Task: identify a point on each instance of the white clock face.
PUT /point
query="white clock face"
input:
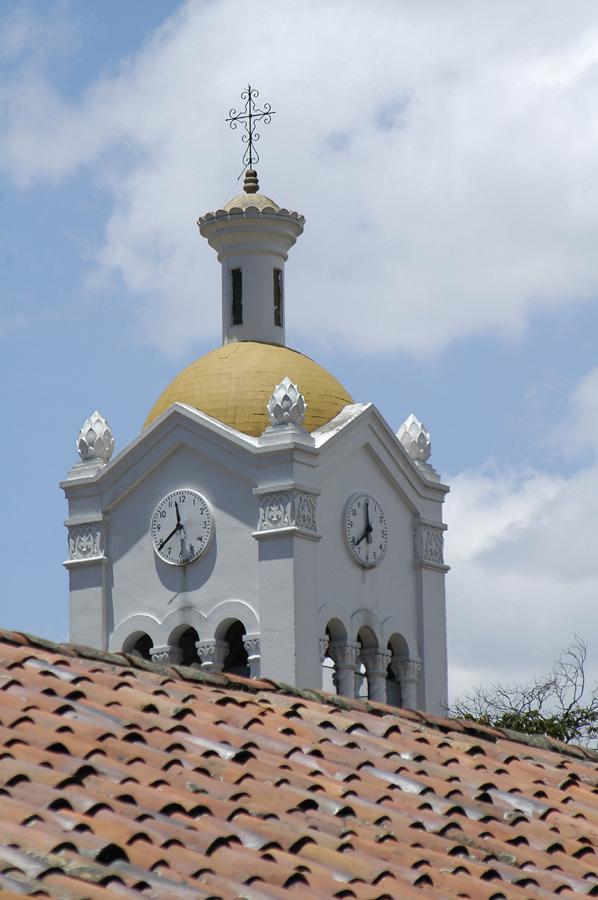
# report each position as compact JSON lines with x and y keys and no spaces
{"x":181,"y":527}
{"x":365,"y":529}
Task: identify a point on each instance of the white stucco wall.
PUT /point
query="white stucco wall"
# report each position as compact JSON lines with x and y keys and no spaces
{"x":284,"y":586}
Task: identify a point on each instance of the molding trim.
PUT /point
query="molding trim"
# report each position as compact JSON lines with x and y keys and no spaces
{"x":286,"y":486}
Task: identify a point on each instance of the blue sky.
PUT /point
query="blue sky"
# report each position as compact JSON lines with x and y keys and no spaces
{"x":447,"y":166}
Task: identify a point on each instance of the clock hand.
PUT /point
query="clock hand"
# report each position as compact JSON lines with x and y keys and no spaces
{"x":178,"y":515}
{"x":176,"y":528}
{"x":368,"y":529}
{"x":366,"y":534}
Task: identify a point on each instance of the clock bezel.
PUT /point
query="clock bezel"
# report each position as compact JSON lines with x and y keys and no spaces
{"x":364,"y":564}
{"x":187,"y":562}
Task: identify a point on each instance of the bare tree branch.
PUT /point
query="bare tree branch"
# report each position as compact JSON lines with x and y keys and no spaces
{"x":551,"y":704}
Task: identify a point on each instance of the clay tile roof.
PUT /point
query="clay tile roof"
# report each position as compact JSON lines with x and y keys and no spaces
{"x":120,"y":777}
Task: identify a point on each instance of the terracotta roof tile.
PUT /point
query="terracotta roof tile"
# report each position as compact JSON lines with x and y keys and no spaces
{"x":120,"y":777}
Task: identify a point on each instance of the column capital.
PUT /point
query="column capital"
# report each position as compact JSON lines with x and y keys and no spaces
{"x":375,"y":660}
{"x":345,"y":655}
{"x":252,"y":644}
{"x":212,"y":654}
{"x":405,"y":669}
{"x":166,"y":655}
{"x":323,"y":644}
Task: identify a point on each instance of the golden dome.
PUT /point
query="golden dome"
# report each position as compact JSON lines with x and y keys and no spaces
{"x":233,"y":384}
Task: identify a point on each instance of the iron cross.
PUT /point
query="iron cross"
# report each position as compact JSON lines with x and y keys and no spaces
{"x":250,"y":116}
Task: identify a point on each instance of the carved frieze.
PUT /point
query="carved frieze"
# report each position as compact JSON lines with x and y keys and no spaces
{"x":86,"y":542}
{"x":287,"y":509}
{"x":429,"y":544}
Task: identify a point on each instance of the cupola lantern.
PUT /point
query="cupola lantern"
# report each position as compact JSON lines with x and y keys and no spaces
{"x":252,"y":236}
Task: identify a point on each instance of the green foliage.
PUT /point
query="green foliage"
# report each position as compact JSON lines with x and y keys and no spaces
{"x":550,"y":705}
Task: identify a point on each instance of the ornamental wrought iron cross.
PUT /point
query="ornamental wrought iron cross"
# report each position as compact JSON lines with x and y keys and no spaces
{"x":249,"y":117}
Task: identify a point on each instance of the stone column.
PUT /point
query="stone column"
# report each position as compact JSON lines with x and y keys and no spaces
{"x":346,"y":660}
{"x":376,"y":663}
{"x":407,"y":672}
{"x":251,"y":642}
{"x":323,"y":645}
{"x":212,"y":654}
{"x":166,"y":655}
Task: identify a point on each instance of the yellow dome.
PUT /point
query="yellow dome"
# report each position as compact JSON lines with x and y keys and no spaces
{"x":234,"y":383}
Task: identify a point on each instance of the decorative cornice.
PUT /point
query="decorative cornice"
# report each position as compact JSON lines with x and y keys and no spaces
{"x":249,"y":212}
{"x":286,"y":486}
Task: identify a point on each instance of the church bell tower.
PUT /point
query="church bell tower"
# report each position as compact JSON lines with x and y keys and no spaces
{"x":263,"y":522}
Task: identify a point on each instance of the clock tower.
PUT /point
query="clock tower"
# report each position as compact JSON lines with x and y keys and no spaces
{"x":263,"y":522}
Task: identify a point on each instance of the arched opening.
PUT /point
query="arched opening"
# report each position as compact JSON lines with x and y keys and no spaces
{"x":367,"y":640}
{"x":139,"y":644}
{"x":399,"y":649}
{"x":236,"y":661}
{"x":393,"y":685}
{"x":187,"y":641}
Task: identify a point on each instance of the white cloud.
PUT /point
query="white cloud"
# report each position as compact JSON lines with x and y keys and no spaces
{"x":579,"y":431}
{"x":445,"y":160}
{"x":524,"y":579}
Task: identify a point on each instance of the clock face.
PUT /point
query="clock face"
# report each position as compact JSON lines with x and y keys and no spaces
{"x":365,"y":529}
{"x":181,"y":527}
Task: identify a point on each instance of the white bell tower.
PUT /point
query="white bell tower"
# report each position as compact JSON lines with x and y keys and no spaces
{"x":252,"y":236}
{"x":263,"y":522}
